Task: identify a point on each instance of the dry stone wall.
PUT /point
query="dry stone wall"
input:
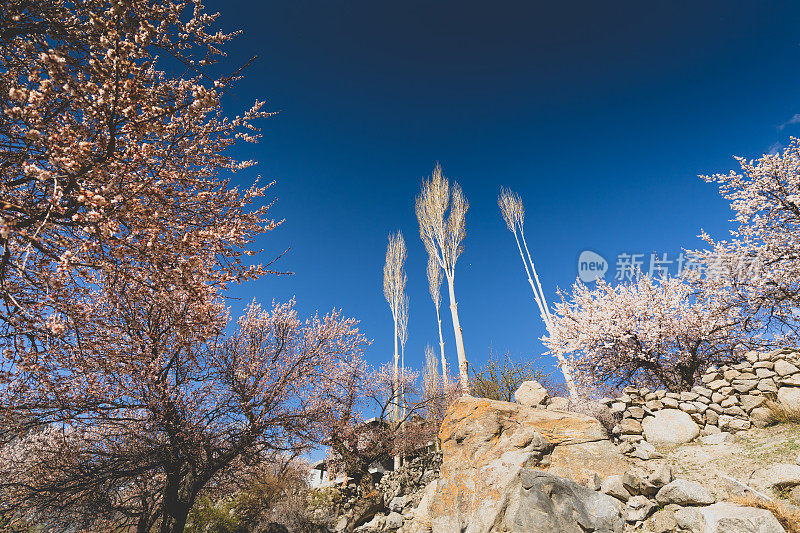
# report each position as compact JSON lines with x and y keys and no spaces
{"x":729,"y":399}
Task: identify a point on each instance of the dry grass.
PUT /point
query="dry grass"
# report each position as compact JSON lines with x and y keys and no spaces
{"x":781,"y":414}
{"x":788,"y":517}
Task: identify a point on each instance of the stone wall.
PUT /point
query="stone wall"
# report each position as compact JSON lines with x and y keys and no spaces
{"x":730,"y":398}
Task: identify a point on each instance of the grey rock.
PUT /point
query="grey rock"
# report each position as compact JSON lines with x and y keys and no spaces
{"x":762,"y":373}
{"x":612,"y":486}
{"x":545,"y":503}
{"x":687,"y":407}
{"x":560,"y":403}
{"x":732,"y":424}
{"x":670,"y":426}
{"x":750,"y":402}
{"x":630,"y":426}
{"x":670,"y":403}
{"x":789,"y":398}
{"x":684,"y":492}
{"x":726,"y":517}
{"x":663,"y":521}
{"x":636,"y":412}
{"x":742,"y":386}
{"x":719,"y":438}
{"x":729,"y":401}
{"x":397,"y":503}
{"x":638,"y":483}
{"x":784,"y":368}
{"x":702,"y":391}
{"x":638,"y":508}
{"x":654,"y":405}
{"x":699,"y":406}
{"x":735,"y":411}
{"x":645,"y":451}
{"x":661,"y":475}
{"x":761,"y":417}
{"x":776,"y":477}
{"x":791,"y":381}
{"x":767,"y":385}
{"x":731,"y":374}
{"x":531,"y":394}
{"x":393,"y":521}
{"x":717,"y":384}
{"x":710,"y":429}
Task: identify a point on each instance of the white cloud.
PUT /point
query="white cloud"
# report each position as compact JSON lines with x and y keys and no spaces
{"x":775,"y":147}
{"x":794,"y":120}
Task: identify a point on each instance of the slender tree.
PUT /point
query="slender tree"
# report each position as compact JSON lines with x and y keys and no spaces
{"x":435,"y":288}
{"x":513,"y":213}
{"x":403,"y":336}
{"x":394,"y":287}
{"x":441,"y":212}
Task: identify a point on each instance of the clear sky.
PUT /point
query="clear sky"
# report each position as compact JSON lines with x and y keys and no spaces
{"x":600,"y":114}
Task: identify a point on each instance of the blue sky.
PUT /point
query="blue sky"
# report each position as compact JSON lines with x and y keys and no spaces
{"x":601,"y":116}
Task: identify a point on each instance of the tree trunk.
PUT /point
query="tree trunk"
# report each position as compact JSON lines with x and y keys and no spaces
{"x":176,"y":506}
{"x":441,"y":347}
{"x":462,"y":356}
{"x":395,"y":391}
{"x":566,"y":368}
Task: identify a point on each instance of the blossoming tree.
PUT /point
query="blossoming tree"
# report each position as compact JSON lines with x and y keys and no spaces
{"x":119,"y":233}
{"x":151,"y":409}
{"x":651,"y":332}
{"x":758,"y":269}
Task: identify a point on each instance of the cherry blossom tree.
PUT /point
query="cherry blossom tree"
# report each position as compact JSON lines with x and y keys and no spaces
{"x":165,"y":415}
{"x":513,"y":212}
{"x":758,"y":269}
{"x":441,"y":212}
{"x":119,"y":233}
{"x":112,"y":165}
{"x":650,"y":332}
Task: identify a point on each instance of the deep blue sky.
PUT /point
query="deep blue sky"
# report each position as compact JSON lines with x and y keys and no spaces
{"x":600,"y":114}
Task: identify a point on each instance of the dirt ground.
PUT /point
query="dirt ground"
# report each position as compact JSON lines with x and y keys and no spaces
{"x":713,"y":464}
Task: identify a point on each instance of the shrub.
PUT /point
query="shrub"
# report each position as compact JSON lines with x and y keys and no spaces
{"x":782,"y":414}
{"x":500,"y":379}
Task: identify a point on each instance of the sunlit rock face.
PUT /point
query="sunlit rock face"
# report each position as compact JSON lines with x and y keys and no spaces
{"x":507,"y":467}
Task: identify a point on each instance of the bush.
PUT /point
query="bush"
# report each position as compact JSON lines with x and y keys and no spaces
{"x":499,"y":380}
{"x":781,"y":414}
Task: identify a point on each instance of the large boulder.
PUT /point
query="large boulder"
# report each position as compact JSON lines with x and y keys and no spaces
{"x":531,"y":394}
{"x":684,"y":492}
{"x":530,"y":501}
{"x":506,"y":467}
{"x":789,"y":398}
{"x":776,"y":477}
{"x":670,"y":426}
{"x":726,"y":517}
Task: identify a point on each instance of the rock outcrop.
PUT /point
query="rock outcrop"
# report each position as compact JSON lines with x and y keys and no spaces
{"x":508,"y":467}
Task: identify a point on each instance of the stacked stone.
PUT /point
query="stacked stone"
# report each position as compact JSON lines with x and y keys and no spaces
{"x":730,"y":398}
